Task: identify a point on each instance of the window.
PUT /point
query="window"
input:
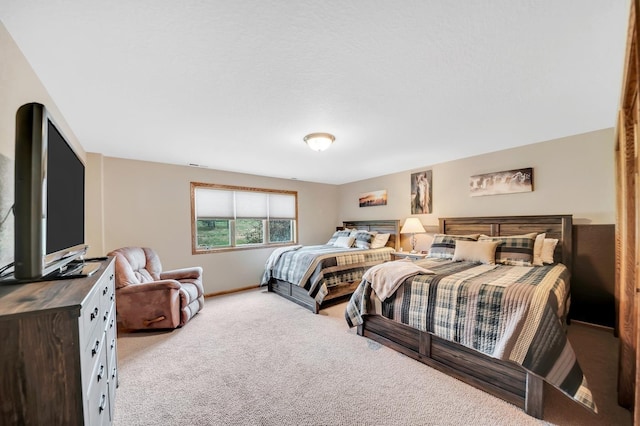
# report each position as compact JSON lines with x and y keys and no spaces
{"x":232,"y":217}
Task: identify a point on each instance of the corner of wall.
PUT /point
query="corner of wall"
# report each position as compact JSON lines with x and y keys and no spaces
{"x":94,"y":204}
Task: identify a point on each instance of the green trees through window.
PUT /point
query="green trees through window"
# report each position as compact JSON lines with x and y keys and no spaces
{"x":213,"y":233}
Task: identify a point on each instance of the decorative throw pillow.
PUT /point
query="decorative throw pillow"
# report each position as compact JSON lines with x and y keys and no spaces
{"x":363,"y":239}
{"x":337,"y":234}
{"x":537,"y":249}
{"x":380,"y":240}
{"x":516,"y":250}
{"x":344,"y":241}
{"x":443,"y":245}
{"x":547,"y":250}
{"x":476,"y":251}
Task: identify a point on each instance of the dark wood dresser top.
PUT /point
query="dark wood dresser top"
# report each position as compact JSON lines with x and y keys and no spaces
{"x":19,"y":299}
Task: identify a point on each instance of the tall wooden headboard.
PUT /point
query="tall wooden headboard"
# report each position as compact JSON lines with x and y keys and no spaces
{"x":391,"y":227}
{"x":555,"y":226}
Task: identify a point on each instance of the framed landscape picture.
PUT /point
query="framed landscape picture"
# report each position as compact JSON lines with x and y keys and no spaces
{"x":506,"y":182}
{"x":373,"y":198}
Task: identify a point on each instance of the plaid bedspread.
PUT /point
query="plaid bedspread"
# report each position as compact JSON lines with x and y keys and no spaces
{"x":316,"y":268}
{"x":507,"y":312}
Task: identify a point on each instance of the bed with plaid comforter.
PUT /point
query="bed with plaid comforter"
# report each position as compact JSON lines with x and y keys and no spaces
{"x":317,"y":268}
{"x":513,"y":313}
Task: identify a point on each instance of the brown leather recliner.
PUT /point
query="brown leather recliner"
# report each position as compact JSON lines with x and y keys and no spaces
{"x":149,"y":298}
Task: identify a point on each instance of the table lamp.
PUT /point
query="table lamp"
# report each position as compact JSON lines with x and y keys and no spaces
{"x":412,"y":226}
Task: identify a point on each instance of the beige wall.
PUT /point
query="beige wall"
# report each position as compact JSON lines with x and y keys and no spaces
{"x":572,"y":175}
{"x":94,"y":205}
{"x":18,"y":85}
{"x":148,"y":204}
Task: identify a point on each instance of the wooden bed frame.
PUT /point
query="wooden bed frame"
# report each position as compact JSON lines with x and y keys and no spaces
{"x":505,"y":380}
{"x":300,"y":296}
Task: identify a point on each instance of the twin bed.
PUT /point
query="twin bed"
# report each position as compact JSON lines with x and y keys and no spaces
{"x":315,"y":275}
{"x":499,"y":327}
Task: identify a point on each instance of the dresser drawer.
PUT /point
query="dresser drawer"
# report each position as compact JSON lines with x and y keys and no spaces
{"x":111,"y":351}
{"x":97,"y":402}
{"x":90,"y":317}
{"x":107,"y":316}
{"x":90,"y":354}
{"x":113,"y":377}
{"x":111,"y":336}
{"x":107,"y":288}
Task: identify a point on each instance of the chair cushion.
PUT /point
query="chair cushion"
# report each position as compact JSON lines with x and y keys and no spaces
{"x":143,"y":275}
{"x":136,"y":265}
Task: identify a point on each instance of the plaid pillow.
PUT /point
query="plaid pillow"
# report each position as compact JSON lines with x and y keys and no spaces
{"x":516,"y":250}
{"x":443,"y":245}
{"x":337,"y":234}
{"x":363,"y":239}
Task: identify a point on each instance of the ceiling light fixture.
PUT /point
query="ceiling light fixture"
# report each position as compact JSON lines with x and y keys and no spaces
{"x":319,"y":141}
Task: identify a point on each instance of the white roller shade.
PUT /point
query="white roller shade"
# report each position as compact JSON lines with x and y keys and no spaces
{"x":282,"y":206}
{"x":251,"y":204}
{"x":214,"y":203}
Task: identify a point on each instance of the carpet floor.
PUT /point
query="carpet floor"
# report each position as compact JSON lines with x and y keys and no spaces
{"x":254,"y":358}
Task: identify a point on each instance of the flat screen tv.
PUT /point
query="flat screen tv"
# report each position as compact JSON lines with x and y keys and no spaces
{"x":49,"y":196}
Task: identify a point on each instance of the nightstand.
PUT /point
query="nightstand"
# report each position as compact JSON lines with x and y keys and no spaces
{"x":408,"y":255}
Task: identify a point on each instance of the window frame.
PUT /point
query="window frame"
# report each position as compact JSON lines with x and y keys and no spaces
{"x":232,"y":224}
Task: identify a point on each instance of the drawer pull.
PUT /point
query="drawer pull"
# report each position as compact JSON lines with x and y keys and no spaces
{"x":111,"y":323}
{"x":94,"y":314}
{"x":113,"y":343}
{"x":113,"y":373}
{"x":106,"y":316}
{"x":105,"y":291}
{"x":95,"y":348}
{"x":103,"y":403}
{"x":101,"y":372}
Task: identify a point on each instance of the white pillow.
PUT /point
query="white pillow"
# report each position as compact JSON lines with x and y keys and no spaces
{"x":547,"y":250}
{"x":543,"y":250}
{"x":344,"y":241}
{"x":475,"y":251}
{"x":537,"y":249}
{"x":380,"y":240}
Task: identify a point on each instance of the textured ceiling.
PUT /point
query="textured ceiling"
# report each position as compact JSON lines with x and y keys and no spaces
{"x":236,"y":85}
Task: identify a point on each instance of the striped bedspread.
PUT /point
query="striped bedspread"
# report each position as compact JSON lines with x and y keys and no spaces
{"x":316,"y":268}
{"x":507,"y":312}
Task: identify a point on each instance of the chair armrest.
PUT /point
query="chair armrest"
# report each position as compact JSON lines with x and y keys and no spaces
{"x":150,"y":286}
{"x":194,"y":272}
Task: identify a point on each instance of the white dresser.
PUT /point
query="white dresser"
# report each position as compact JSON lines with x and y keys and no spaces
{"x":58,"y":355}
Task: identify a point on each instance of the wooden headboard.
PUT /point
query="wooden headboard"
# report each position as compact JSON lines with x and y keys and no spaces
{"x":555,"y":226}
{"x":391,"y":226}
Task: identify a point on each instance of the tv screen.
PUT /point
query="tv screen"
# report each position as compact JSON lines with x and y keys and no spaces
{"x":65,"y":194}
{"x":49,"y":197}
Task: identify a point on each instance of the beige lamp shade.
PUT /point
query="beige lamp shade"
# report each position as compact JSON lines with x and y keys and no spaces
{"x":412,"y":226}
